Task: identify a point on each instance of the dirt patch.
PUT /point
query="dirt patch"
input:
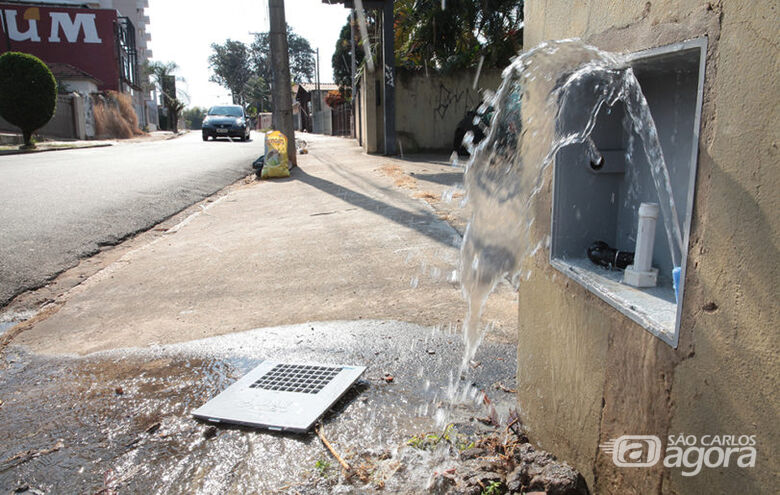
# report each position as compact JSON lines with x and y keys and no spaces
{"x":427,"y":196}
{"x":400,"y":179}
{"x":476,"y":457}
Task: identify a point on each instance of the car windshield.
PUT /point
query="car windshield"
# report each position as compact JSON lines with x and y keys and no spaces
{"x":229,"y":111}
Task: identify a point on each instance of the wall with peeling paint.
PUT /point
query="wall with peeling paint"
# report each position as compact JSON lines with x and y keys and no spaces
{"x":586,"y":373}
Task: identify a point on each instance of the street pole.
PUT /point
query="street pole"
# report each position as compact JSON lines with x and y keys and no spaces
{"x":389,"y":76}
{"x":319,"y":96}
{"x":280,"y":64}
{"x":353,"y":75}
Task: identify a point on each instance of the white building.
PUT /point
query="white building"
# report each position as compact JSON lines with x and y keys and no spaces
{"x":135,"y":12}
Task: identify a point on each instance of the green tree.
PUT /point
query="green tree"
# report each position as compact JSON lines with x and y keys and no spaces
{"x":194,"y":117}
{"x":342,"y":57}
{"x":28,"y":93}
{"x":457,"y":36}
{"x":231,"y":68}
{"x":258,"y":94}
{"x":163,"y":78}
{"x":302,"y":64}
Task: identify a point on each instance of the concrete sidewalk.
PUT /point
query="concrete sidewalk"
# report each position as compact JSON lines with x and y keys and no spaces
{"x":349,"y":236}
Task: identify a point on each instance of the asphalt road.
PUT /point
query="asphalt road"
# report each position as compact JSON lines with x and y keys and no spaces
{"x":58,"y":207}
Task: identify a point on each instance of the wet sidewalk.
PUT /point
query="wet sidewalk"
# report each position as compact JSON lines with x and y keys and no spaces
{"x":120,"y":420}
{"x":351,"y":260}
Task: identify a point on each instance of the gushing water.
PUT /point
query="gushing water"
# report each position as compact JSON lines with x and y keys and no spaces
{"x":507,"y":169}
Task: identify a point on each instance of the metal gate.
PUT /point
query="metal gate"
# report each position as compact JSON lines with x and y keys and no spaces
{"x":343,"y":120}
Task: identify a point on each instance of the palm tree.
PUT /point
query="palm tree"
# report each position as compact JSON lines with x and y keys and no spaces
{"x":163,"y":78}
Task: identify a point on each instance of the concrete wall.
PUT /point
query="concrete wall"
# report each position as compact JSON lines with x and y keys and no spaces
{"x":429,"y":108}
{"x":586,"y":373}
{"x":68,"y":122}
{"x":323,"y":122}
{"x":370,"y":115}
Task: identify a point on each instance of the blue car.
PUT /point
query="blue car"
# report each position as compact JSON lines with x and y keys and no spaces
{"x":226,"y":121}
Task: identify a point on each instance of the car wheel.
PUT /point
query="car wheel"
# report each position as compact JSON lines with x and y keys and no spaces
{"x":205,"y":137}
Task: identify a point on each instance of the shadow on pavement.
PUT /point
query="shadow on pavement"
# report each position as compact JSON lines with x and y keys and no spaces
{"x":427,"y":223}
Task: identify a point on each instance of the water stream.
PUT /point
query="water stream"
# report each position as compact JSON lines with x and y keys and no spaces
{"x":507,"y":169}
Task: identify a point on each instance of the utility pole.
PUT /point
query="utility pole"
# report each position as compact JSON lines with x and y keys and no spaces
{"x":353,"y":76}
{"x":317,"y":76}
{"x":388,"y":57}
{"x":280,"y":64}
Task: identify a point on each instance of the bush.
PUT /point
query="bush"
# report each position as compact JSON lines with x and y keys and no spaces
{"x":28,"y":92}
{"x":334,"y":99}
{"x":114,"y":116}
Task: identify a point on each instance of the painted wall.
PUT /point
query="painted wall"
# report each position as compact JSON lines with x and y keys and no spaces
{"x":84,"y":38}
{"x":69,"y":120}
{"x":586,"y":373}
{"x":370,"y":114}
{"x":429,"y":108}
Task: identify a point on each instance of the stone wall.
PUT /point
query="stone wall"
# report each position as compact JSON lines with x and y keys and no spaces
{"x":586,"y":373}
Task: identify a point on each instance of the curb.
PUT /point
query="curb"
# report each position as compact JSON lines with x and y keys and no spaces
{"x":25,"y":152}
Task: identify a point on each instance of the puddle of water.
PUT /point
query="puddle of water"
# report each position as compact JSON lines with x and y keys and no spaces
{"x":123,"y":417}
{"x":5,"y":325}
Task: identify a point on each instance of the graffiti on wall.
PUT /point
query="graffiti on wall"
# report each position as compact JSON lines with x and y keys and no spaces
{"x":447,"y":98}
{"x":389,"y":76}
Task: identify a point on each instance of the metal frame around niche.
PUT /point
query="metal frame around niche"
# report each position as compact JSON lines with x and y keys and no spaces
{"x":599,"y":285}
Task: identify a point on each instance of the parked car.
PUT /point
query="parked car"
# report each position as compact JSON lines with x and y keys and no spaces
{"x":226,"y":121}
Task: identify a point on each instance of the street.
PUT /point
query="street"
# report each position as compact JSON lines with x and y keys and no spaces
{"x":58,"y":207}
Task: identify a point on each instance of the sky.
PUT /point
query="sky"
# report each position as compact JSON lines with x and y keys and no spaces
{"x":183,"y":31}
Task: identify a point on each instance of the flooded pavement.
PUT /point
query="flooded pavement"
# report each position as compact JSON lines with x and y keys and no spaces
{"x":120,"y":420}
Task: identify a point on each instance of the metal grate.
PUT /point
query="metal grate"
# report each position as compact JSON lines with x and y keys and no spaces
{"x":297,"y":378}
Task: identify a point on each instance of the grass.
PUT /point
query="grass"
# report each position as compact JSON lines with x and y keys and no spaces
{"x":322,"y":467}
{"x":429,"y":441}
{"x":494,"y":488}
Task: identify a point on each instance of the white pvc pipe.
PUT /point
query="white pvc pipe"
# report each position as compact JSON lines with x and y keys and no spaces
{"x":645,"y":237}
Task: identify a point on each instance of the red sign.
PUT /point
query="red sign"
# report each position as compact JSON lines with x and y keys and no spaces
{"x":83,"y":38}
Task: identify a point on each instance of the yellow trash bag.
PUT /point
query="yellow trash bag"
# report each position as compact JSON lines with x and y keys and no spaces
{"x":275,"y":164}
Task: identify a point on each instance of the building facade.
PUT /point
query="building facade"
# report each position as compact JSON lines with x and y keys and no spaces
{"x":105,"y":39}
{"x":135,"y":12}
{"x":588,"y":374}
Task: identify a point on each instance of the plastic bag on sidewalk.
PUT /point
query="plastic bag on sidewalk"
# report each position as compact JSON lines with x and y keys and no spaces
{"x":276,"y":164}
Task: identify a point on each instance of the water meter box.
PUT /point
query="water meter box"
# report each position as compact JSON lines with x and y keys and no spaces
{"x":597,"y":193}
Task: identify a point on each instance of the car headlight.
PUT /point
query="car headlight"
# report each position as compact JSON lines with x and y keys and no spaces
{"x":240,"y":121}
